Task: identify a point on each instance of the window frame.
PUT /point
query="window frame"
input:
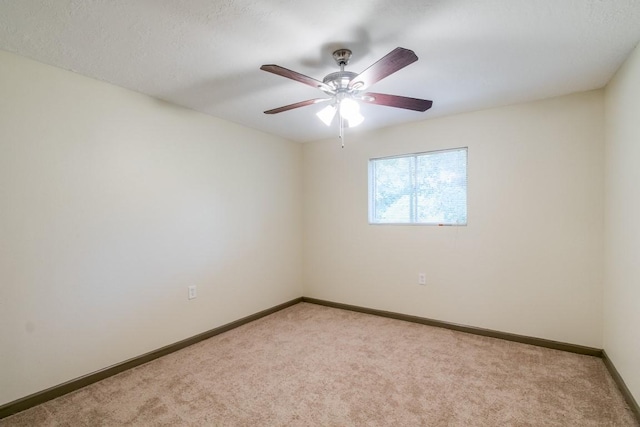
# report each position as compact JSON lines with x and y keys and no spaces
{"x":371,"y":187}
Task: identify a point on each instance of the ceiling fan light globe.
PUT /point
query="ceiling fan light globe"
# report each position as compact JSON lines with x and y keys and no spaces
{"x":349,"y":108}
{"x":327,"y":114}
{"x":350,"y":111}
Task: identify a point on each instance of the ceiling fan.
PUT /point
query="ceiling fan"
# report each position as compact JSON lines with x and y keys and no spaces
{"x":346,"y":88}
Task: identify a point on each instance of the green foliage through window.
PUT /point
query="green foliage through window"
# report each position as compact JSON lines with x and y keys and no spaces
{"x":425,"y":188}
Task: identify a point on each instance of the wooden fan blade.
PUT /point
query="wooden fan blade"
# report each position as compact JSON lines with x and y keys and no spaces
{"x":297,"y":105}
{"x":395,"y":60}
{"x":396,"y":101}
{"x":294,"y":75}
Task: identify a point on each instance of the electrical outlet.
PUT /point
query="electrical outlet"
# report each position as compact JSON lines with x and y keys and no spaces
{"x":422,"y":279}
{"x":192,"y":292}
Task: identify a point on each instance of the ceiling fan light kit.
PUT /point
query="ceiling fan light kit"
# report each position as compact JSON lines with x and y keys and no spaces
{"x":349,"y":111}
{"x":345,"y":88}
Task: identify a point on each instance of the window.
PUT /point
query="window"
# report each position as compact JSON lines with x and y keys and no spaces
{"x":424,"y":188}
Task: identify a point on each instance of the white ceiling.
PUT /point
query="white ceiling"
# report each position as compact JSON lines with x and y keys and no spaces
{"x":206,"y":54}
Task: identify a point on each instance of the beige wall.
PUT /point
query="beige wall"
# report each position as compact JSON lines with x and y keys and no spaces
{"x":111,"y":204}
{"x":622,"y":223}
{"x":529,"y":261}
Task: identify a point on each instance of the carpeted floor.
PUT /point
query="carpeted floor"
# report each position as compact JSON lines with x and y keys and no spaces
{"x":311,"y":365}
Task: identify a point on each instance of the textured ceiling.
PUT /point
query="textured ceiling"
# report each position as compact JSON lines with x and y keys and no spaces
{"x":206,"y":55}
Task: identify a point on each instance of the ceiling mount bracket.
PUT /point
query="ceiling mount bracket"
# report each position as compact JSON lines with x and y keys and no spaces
{"x":342,"y":56}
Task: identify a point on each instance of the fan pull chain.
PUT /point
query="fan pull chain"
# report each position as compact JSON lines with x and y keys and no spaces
{"x":341,"y":124}
{"x":340,"y":114}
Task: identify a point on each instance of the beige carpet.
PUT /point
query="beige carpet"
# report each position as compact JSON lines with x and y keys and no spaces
{"x":311,"y":365}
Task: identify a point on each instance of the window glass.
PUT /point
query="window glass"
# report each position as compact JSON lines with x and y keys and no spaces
{"x":424,"y":188}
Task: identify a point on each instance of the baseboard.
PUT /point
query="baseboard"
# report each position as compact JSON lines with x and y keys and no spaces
{"x":75,"y":384}
{"x":540,"y":342}
{"x":628,"y":397}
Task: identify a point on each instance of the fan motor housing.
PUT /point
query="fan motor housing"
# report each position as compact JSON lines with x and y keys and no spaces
{"x":339,"y":80}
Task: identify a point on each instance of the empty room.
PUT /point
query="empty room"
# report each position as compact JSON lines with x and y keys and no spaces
{"x":320,"y":213}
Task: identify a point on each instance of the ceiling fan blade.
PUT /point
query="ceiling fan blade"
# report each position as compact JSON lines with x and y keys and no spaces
{"x":297,"y":105}
{"x":294,"y":75}
{"x":395,"y":60}
{"x":396,"y":101}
